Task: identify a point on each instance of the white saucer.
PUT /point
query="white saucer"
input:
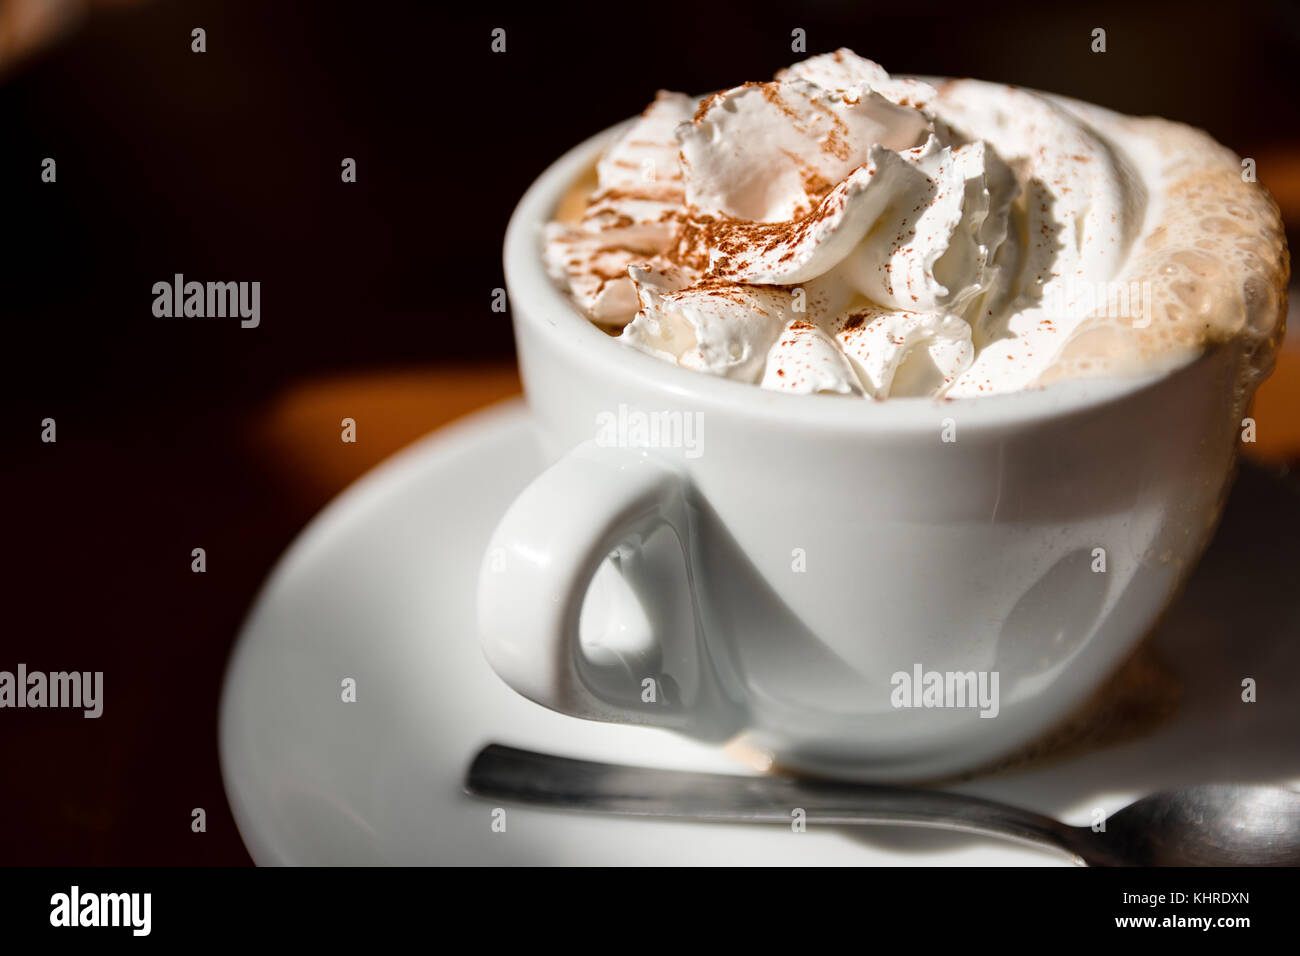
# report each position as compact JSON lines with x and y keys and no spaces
{"x":380,"y":587}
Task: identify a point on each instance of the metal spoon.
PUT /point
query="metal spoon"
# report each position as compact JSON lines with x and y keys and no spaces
{"x":1211,"y":825}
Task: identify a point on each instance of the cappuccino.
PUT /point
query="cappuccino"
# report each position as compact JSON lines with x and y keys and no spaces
{"x":843,"y":231}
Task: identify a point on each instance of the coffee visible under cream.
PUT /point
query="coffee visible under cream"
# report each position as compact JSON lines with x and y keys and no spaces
{"x":840,"y":230}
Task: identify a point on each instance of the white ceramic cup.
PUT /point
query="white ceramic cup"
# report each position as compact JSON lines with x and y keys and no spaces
{"x":822,"y":546}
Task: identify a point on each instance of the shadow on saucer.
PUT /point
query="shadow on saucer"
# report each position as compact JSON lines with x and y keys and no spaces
{"x":1174,"y":714}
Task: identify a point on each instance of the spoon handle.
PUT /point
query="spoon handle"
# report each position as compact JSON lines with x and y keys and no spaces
{"x":563,"y":783}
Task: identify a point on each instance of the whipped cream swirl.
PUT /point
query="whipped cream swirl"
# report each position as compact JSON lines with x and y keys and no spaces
{"x":839,"y":230}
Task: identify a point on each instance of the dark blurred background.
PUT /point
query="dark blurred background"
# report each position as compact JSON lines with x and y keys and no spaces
{"x":175,"y":434}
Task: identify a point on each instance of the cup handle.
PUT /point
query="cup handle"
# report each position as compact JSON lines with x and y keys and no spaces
{"x":536,"y":573}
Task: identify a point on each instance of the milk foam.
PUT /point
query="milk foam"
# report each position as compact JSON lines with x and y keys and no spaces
{"x":839,"y":230}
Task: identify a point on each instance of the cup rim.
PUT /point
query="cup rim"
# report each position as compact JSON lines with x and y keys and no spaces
{"x":535,"y":299}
